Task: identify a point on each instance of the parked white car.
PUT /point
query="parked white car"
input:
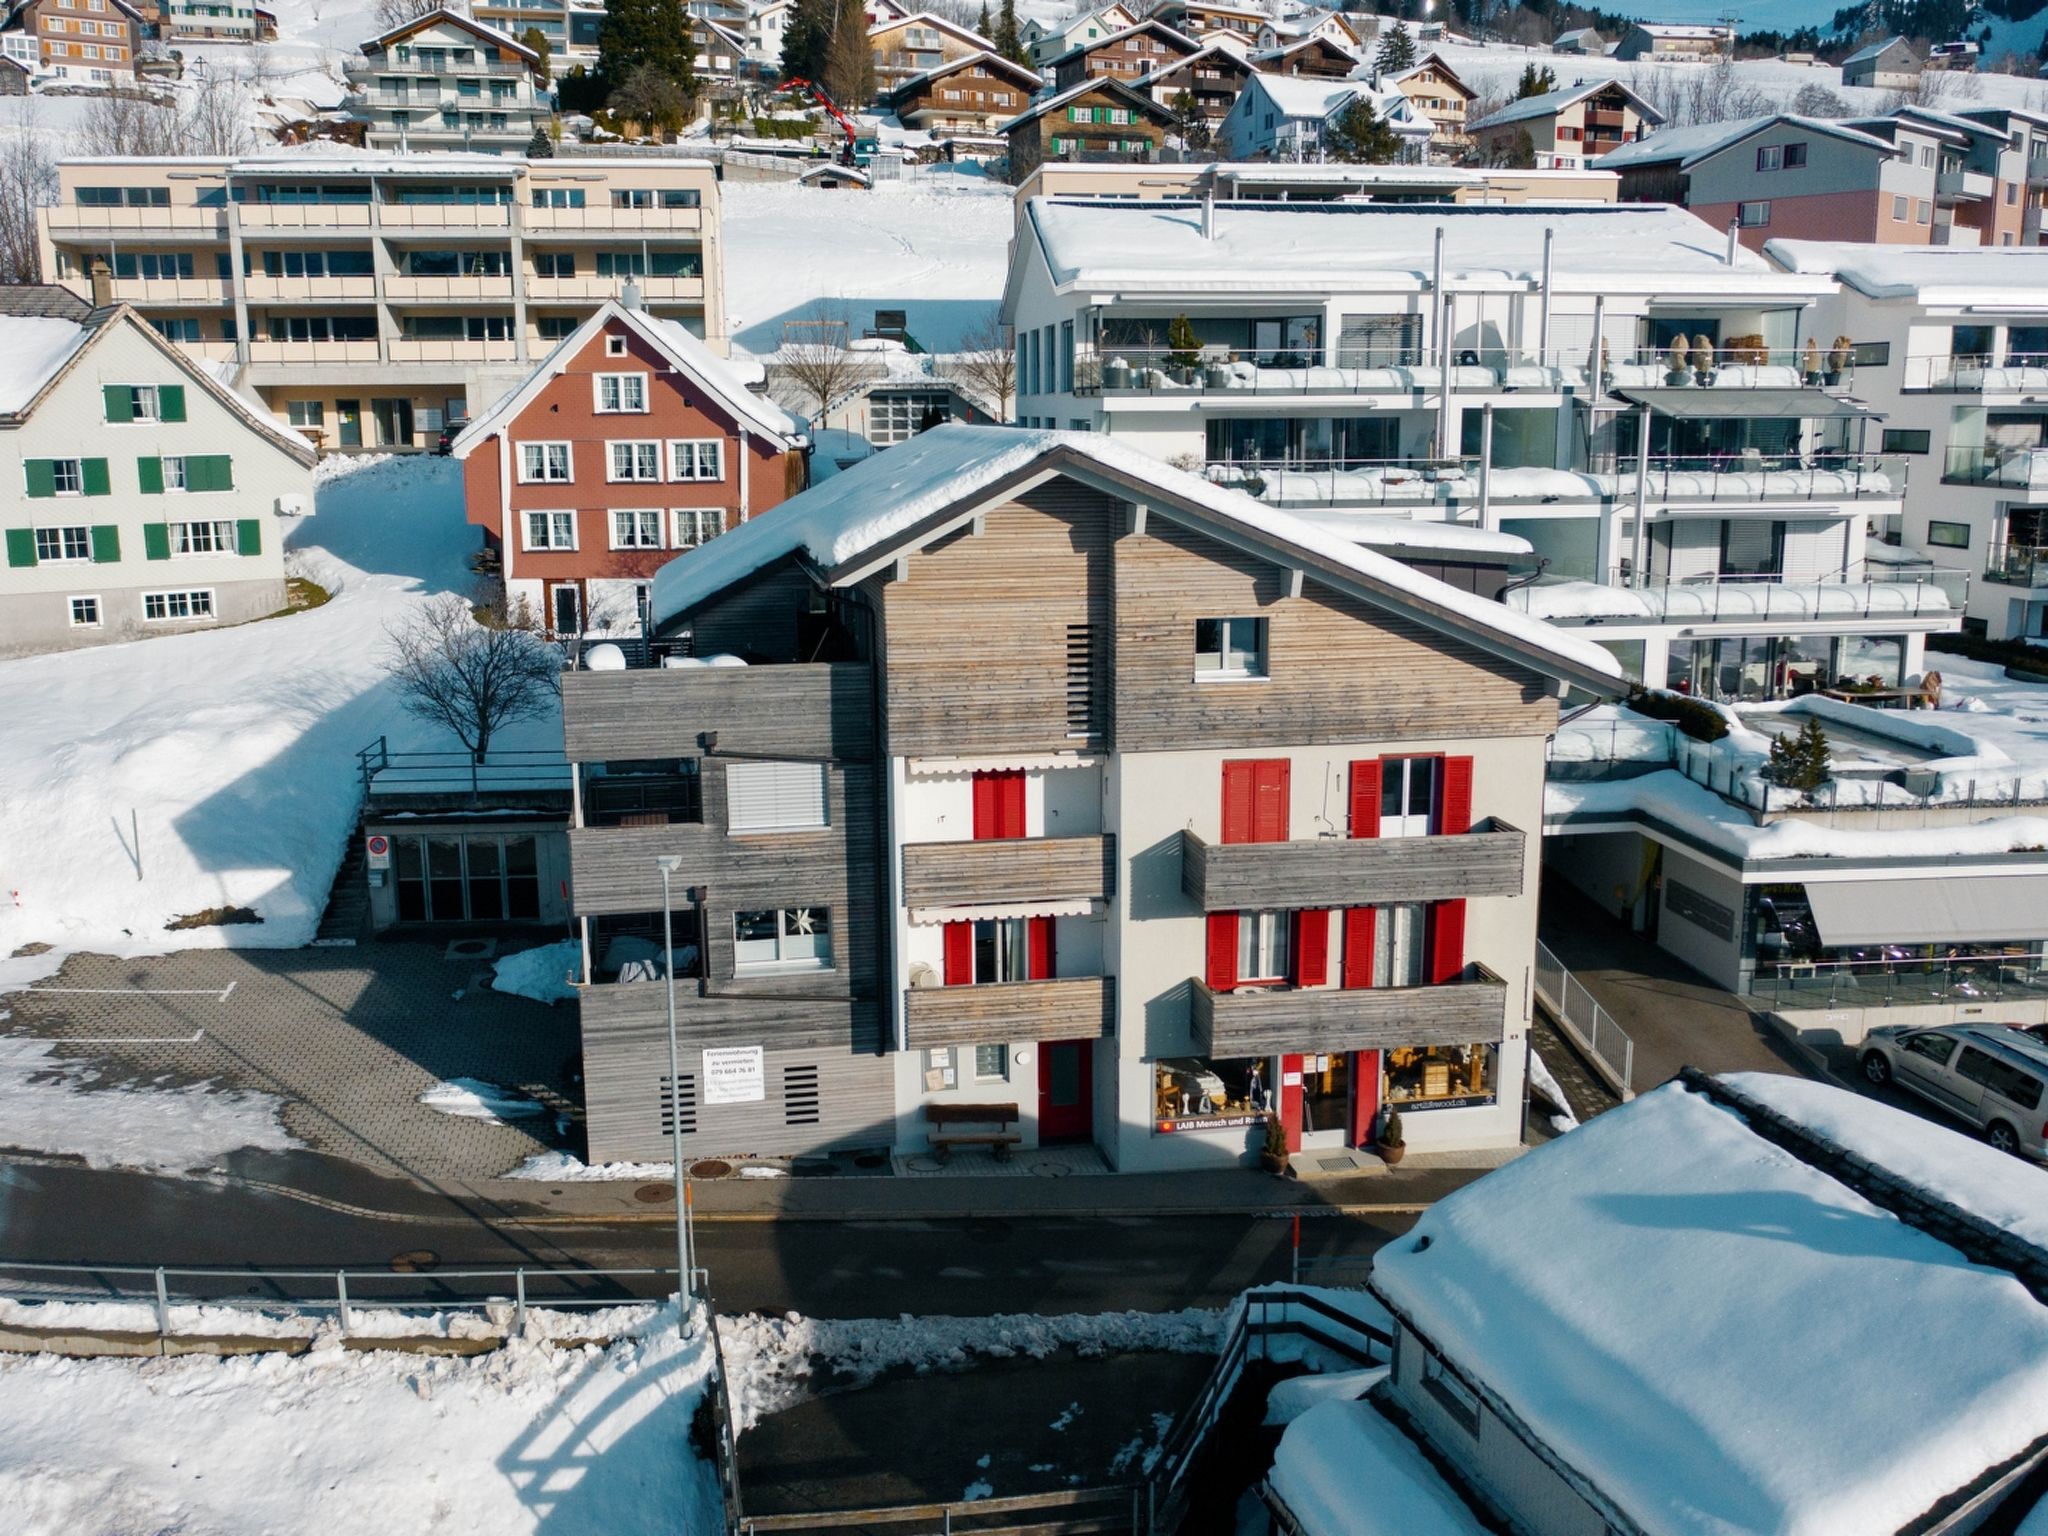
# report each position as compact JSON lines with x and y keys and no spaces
{"x":1990,"y":1075}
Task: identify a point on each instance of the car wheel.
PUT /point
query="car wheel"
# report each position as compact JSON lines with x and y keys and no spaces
{"x":2002,"y":1136}
{"x":1876,"y":1069}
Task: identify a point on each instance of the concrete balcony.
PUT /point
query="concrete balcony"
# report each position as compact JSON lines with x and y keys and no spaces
{"x":211,"y":292}
{"x":1265,"y":1022}
{"x":1006,"y":871}
{"x":1353,"y":871}
{"x":1952,"y":187}
{"x":594,"y":290}
{"x":1067,"y":1008}
{"x":315,"y":218}
{"x":68,"y":221}
{"x":438,"y":216}
{"x":410,"y":349}
{"x":313,"y":352}
{"x":260,"y":288}
{"x":605,"y":219}
{"x":401,"y":289}
{"x":361,"y":69}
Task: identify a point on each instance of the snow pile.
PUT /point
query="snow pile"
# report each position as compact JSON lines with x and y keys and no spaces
{"x":1290,"y":1399}
{"x":771,"y":1362}
{"x":470,"y":1098}
{"x":56,"y":1106}
{"x":533,"y":1437}
{"x":1344,"y":1470}
{"x":563,"y":1168}
{"x":1542,"y":1082}
{"x":1684,"y":1313}
{"x":541,"y":974}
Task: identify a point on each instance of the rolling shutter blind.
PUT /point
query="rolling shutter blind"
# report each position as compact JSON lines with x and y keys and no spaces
{"x":762,"y":797}
{"x":1454,"y":813}
{"x":1447,"y":941}
{"x":106,"y":544}
{"x":1221,"y":973}
{"x":959,"y":954}
{"x":1365,"y":798}
{"x":1311,"y":948}
{"x":170,"y":402}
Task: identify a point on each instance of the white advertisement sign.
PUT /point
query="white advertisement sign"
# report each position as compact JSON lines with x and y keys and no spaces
{"x":735,"y":1075}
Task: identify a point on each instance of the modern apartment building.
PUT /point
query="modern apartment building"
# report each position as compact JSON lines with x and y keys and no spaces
{"x":629,"y":444}
{"x":1567,"y":129}
{"x":1143,"y":869}
{"x":443,"y":81}
{"x":150,"y":496}
{"x":213,"y":21}
{"x":370,"y":300}
{"x":1284,"y":182}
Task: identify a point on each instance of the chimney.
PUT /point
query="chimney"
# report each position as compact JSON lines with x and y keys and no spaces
{"x":102,"y":283}
{"x":1734,"y":239}
{"x":629,"y":296}
{"x":1209,"y":214}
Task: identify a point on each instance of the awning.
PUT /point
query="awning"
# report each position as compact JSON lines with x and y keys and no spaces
{"x":1710,"y":404}
{"x":1027,"y":762}
{"x":1943,"y":910}
{"x":1077,"y":906}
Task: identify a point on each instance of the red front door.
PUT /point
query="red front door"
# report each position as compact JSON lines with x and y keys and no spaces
{"x":1066,"y":1091}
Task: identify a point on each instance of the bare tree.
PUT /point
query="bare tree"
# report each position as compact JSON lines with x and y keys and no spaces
{"x":1818,"y":101}
{"x":1699,"y":93}
{"x":216,"y":117}
{"x":396,"y":13}
{"x":28,"y":182}
{"x":816,"y":359}
{"x":128,"y":123}
{"x":1939,"y":85}
{"x":986,"y":364}
{"x":471,"y":679}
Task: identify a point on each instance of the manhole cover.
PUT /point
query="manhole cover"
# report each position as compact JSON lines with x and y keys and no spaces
{"x":655,"y":1194}
{"x":417,"y":1261}
{"x":470,"y":949}
{"x":710,"y":1168}
{"x":1051,"y":1170}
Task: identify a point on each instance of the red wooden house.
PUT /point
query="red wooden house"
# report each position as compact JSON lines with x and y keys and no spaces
{"x":630,"y":444}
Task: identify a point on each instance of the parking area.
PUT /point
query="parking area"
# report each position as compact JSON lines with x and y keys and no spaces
{"x":348,"y":1038}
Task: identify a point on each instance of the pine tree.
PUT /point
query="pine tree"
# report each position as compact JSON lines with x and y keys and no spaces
{"x":1189,"y":122}
{"x":1535,"y":82}
{"x":984,"y":24}
{"x":1009,"y":43}
{"x":651,"y":32}
{"x":1396,"y":50}
{"x":1360,"y":136}
{"x":1186,"y":345}
{"x":537,"y":40}
{"x":1801,"y":761}
{"x":540,"y":146}
{"x":806,"y":38}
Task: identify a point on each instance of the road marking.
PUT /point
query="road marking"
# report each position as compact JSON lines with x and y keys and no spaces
{"x":220,"y":996}
{"x":192,"y":1039}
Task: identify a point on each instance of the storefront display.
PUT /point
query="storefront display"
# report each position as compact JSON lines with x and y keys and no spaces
{"x":1192,"y":1094}
{"x":1440,"y":1076}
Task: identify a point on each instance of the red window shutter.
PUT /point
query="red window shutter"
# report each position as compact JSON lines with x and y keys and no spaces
{"x":1365,"y":798}
{"x":1311,"y":948}
{"x":1222,"y":971}
{"x":1237,"y":802}
{"x":1361,"y":925}
{"x":1447,"y":941}
{"x":1269,"y":803}
{"x":984,"y":806}
{"x":1454,"y":812}
{"x":1038,"y":939}
{"x":959,"y":954}
{"x":998,"y":804}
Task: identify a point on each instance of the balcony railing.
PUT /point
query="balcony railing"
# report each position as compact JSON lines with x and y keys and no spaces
{"x":211,"y":291}
{"x":813,"y":710}
{"x":403,"y":287}
{"x":1002,"y":871}
{"x":2025,"y":468}
{"x":652,"y":289}
{"x":1272,"y":1021}
{"x":313,"y":351}
{"x":2019,"y":565}
{"x":445,"y":215}
{"x":1749,"y":598}
{"x":1959,"y":186}
{"x":1891,"y":975}
{"x":678,"y":221}
{"x":262,"y":288}
{"x":409,"y":349}
{"x":69,"y":219}
{"x":1353,"y":871}
{"x":1065,"y":1008}
{"x":1972,"y":373}
{"x":317,"y":217}
{"x":367,"y":69}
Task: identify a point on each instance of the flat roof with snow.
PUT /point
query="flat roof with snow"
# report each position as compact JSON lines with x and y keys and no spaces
{"x":1929,"y":274}
{"x":1717,"y":1334}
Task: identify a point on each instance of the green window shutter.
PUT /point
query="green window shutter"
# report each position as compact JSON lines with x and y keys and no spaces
{"x":149,"y":474}
{"x":97,"y":482}
{"x":170,"y":402}
{"x":248,"y":537}
{"x":106,"y":544}
{"x":42,"y":476}
{"x":21,"y":546}
{"x":209,"y":472}
{"x":156,"y":541}
{"x":224,"y":474}
{"x":120,"y":404}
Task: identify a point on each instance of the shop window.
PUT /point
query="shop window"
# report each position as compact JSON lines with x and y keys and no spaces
{"x":1441,"y":1076}
{"x":452,"y":878}
{"x":1196,"y":1094}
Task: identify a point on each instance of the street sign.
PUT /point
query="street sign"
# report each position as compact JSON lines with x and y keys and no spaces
{"x":379,"y":849}
{"x":735,"y":1075}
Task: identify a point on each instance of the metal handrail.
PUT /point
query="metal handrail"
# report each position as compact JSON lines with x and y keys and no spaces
{"x":1906,"y":979}
{"x":1585,"y":1023}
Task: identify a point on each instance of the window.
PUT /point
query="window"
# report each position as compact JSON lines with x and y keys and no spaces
{"x":1263,"y":952}
{"x":1753,"y":215}
{"x":1907,"y":440}
{"x":1936,"y":1048}
{"x":1901,"y":209}
{"x":172,"y":469}
{"x":202,"y":538}
{"x":66,"y":478}
{"x":1923,"y":210}
{"x":775,"y":797}
{"x":615,"y":346}
{"x":85,"y":613}
{"x":633,"y":197}
{"x":681,"y":197}
{"x":1400,"y":953}
{"x":1451,"y":1394}
{"x":306,"y":413}
{"x":545,"y":463}
{"x":636,"y":529}
{"x":558,"y":197}
{"x":700,"y":458}
{"x":1770,"y":157}
{"x":1408,"y":796}
{"x":2008,"y":1082}
{"x":793,"y":938}
{"x":63,"y":544}
{"x":621,"y":392}
{"x":1795,"y":156}
{"x":551,"y":530}
{"x":696,"y":525}
{"x":1230,"y":647}
{"x":1440,"y":1076}
{"x":633,"y":461}
{"x":167,"y":607}
{"x":991,"y":1063}
{"x":1002,"y":950}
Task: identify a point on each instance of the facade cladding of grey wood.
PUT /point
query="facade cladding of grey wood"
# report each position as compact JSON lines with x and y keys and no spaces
{"x":1353,"y":872}
{"x":971,"y":646}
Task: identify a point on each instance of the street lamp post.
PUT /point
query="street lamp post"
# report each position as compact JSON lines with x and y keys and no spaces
{"x":668,"y":864}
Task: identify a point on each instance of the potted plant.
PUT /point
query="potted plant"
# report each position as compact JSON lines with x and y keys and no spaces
{"x":1809,"y":361}
{"x":1184,"y":349}
{"x":1393,"y":1142}
{"x":1839,"y":357}
{"x":1703,"y":359}
{"x":1273,"y":1155}
{"x":1674,"y":358}
{"x":1116,"y":373}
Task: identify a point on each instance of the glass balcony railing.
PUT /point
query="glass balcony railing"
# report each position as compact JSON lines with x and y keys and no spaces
{"x":2025,"y":468}
{"x":2018,"y":565}
{"x":1968,"y":373}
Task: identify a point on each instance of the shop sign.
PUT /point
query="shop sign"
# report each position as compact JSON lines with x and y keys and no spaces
{"x":1416,"y":1107}
{"x":1208,"y":1123}
{"x":735,"y":1075}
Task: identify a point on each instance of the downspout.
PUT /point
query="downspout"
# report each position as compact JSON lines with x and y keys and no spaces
{"x":1486,"y":468}
{"x":1642,"y":496}
{"x":507,"y":534}
{"x":1440,"y":318}
{"x":1543,"y":310}
{"x":746,"y":499}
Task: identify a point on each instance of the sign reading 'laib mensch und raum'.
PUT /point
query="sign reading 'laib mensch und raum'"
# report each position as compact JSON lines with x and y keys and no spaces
{"x":735,"y":1075}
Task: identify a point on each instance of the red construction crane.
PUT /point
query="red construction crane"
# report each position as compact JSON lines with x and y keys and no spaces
{"x":847,"y":154}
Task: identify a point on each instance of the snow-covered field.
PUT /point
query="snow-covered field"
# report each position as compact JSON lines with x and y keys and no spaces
{"x":162,"y":777}
{"x":533,"y":1437}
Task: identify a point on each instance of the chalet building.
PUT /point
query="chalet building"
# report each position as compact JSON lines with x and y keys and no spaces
{"x":975,"y":95}
{"x":1128,"y":55}
{"x":629,"y":444}
{"x":1566,"y":129}
{"x":916,"y":44}
{"x":1142,"y":873}
{"x":1100,"y":121}
{"x":92,"y":40}
{"x":1314,"y":57}
{"x":1214,"y":77}
{"x":443,"y":81}
{"x":1202,"y":19}
{"x":1047,"y":40}
{"x":1435,"y":90}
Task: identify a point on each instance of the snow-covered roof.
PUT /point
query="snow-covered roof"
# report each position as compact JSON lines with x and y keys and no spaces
{"x":1959,"y":123}
{"x":1409,"y":533}
{"x":1548,"y":102}
{"x":1263,"y":173}
{"x":1310,"y":97}
{"x":32,"y":350}
{"x":931,"y":19}
{"x":1432,"y":61}
{"x":1174,"y":66}
{"x":469,"y":24}
{"x":1271,"y":247}
{"x":1670,"y":29}
{"x":1688,"y":146}
{"x":1115,"y":87}
{"x":1929,"y":274}
{"x":1333,"y":1454}
{"x":1149,"y":24}
{"x":832,"y":170}
{"x":1717,"y":1334}
{"x":718,"y":378}
{"x":1876,"y":50}
{"x":864,"y":514}
{"x":1018,"y":74}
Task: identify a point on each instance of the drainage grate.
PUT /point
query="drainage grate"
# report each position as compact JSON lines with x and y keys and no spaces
{"x":1338,"y":1164}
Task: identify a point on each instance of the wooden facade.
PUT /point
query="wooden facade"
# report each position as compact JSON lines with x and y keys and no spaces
{"x":1009,"y":870}
{"x":1257,"y":1023}
{"x":976,"y":94}
{"x":1128,"y":55}
{"x":824,"y":709}
{"x":1107,"y":122}
{"x":1353,"y":872}
{"x":1067,"y":1008}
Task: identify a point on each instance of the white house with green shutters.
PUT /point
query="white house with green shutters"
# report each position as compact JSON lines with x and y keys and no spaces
{"x":139,"y":495}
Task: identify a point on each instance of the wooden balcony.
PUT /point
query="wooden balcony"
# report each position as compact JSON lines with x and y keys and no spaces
{"x":1353,"y":871}
{"x":817,"y":709}
{"x":1469,"y":1011}
{"x":997,"y":872}
{"x":1067,"y":1008}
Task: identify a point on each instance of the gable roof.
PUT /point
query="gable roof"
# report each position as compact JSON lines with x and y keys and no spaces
{"x":1157,"y":28}
{"x":1017,"y":74}
{"x":1689,"y":146}
{"x":897,"y":501}
{"x":1315,"y":40}
{"x":1116,"y":87}
{"x":1212,"y":50}
{"x":689,"y":356}
{"x":469,"y":24}
{"x":928,"y":19}
{"x":1556,"y":101}
{"x":1877,"y":50}
{"x":1433,"y":61}
{"x":52,"y":300}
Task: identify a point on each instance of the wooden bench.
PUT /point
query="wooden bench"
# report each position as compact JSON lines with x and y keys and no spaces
{"x":944,"y":1138}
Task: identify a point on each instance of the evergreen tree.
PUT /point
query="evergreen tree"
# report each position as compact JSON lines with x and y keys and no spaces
{"x":1396,"y":50}
{"x":541,"y":146}
{"x":1802,"y":761}
{"x":537,"y":40}
{"x":1189,"y":122}
{"x":648,"y":32}
{"x":1186,"y":345}
{"x":984,"y":24}
{"x":1535,"y":82}
{"x":1007,"y":39}
{"x":806,"y":39}
{"x":1360,"y":136}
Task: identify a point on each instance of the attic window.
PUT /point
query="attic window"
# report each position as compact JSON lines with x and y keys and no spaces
{"x":615,"y":346}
